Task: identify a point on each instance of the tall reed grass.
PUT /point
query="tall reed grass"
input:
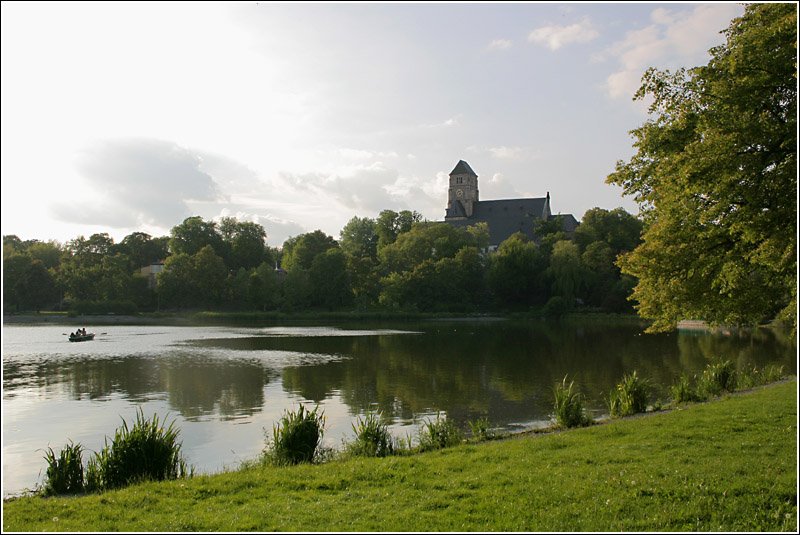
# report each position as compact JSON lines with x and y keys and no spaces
{"x":629,"y":396}
{"x":438,"y":434}
{"x":569,"y":410}
{"x":372,"y":437}
{"x":297,"y":438}
{"x":717,"y":377}
{"x":145,"y":451}
{"x":64,"y":473}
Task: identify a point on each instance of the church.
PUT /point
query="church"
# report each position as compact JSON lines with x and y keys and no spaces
{"x":503,"y":217}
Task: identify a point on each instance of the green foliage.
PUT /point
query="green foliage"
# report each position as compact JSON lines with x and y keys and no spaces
{"x":296,"y":438}
{"x":480,"y":429}
{"x":425,"y":241}
{"x":566,"y":270}
{"x":330,"y":280}
{"x":717,"y":377}
{"x":755,"y":377}
{"x":391,"y":224}
{"x":300,"y":251}
{"x":555,"y":307}
{"x":569,"y":408}
{"x":245,"y":243}
{"x":145,"y":451}
{"x":359,"y":238}
{"x":438,"y":434}
{"x":715,"y":175}
{"x":618,"y":229}
{"x":372,"y":437}
{"x":515,"y":272}
{"x":64,"y":472}
{"x":683,"y":391}
{"x":193,"y":234}
{"x":629,"y":396}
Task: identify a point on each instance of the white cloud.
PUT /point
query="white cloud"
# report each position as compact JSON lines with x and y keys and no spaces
{"x":361,"y":154}
{"x":674,"y":39}
{"x":452,"y":121}
{"x":505,"y":153}
{"x":137,"y":182}
{"x":499,"y":44}
{"x":555,"y":37}
{"x":498,"y":187}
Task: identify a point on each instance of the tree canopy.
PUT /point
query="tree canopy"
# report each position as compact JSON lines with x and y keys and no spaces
{"x":715,"y":176}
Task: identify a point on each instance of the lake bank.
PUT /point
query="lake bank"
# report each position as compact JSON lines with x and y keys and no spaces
{"x":725,"y":465}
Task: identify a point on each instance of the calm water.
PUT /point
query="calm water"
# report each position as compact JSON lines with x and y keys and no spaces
{"x":224,"y":386}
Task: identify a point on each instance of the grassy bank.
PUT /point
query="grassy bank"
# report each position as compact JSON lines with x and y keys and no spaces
{"x":727,"y":465}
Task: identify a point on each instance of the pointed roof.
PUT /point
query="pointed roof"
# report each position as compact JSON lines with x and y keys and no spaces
{"x":463,"y":167}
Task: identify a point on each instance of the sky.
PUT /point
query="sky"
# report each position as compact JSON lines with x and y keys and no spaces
{"x":130,"y":117}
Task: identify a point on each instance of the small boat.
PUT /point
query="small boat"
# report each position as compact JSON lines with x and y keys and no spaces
{"x":81,"y":338}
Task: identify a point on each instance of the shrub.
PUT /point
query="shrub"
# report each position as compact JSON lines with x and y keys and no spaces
{"x":480,"y":429}
{"x":682,"y":391}
{"x":717,"y":377}
{"x":769,"y":374}
{"x":569,"y":410}
{"x":630,"y":396}
{"x":372,"y":437}
{"x":65,"y":472}
{"x":145,"y":451}
{"x":439,"y":434}
{"x":297,"y":437}
{"x":555,"y":307}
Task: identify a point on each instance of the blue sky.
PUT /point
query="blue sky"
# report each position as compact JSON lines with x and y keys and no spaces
{"x":125,"y":117}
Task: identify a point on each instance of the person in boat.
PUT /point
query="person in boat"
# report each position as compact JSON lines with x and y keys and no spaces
{"x":83,"y":331}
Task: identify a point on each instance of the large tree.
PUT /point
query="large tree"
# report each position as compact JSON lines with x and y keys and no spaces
{"x":715,"y":176}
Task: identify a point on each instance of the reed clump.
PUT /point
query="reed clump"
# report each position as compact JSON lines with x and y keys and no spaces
{"x":630,"y":396}
{"x":438,"y":434}
{"x":372,"y":437}
{"x":145,"y":451}
{"x":64,"y":473}
{"x":569,"y":410}
{"x":296,"y":438}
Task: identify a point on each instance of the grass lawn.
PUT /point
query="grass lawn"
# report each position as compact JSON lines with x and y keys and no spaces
{"x":726,"y":465}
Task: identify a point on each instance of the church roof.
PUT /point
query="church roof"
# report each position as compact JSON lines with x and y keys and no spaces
{"x":463,"y":167}
{"x":505,"y":217}
{"x":455,"y":209}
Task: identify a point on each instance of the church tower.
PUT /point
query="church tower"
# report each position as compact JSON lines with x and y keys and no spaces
{"x":463,"y":193}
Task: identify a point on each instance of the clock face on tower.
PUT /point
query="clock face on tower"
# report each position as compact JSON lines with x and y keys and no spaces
{"x":459,"y":193}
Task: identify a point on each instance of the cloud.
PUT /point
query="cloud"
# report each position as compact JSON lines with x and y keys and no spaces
{"x":505,"y":153}
{"x":555,"y":37}
{"x":499,"y":44}
{"x":452,"y":121}
{"x":136,"y":182}
{"x":674,"y":39}
{"x":360,"y":154}
{"x":497,"y":187}
{"x":358,"y":187}
{"x":277,"y":228}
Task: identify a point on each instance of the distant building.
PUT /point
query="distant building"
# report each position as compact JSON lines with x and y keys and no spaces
{"x":503,"y":217}
{"x":151,"y":272}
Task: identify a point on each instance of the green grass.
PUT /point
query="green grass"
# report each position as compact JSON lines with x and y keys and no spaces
{"x":726,"y":465}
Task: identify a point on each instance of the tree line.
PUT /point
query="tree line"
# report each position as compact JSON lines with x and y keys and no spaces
{"x":396,"y":261}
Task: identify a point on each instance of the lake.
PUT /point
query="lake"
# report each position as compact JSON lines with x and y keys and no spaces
{"x":225,"y":387}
